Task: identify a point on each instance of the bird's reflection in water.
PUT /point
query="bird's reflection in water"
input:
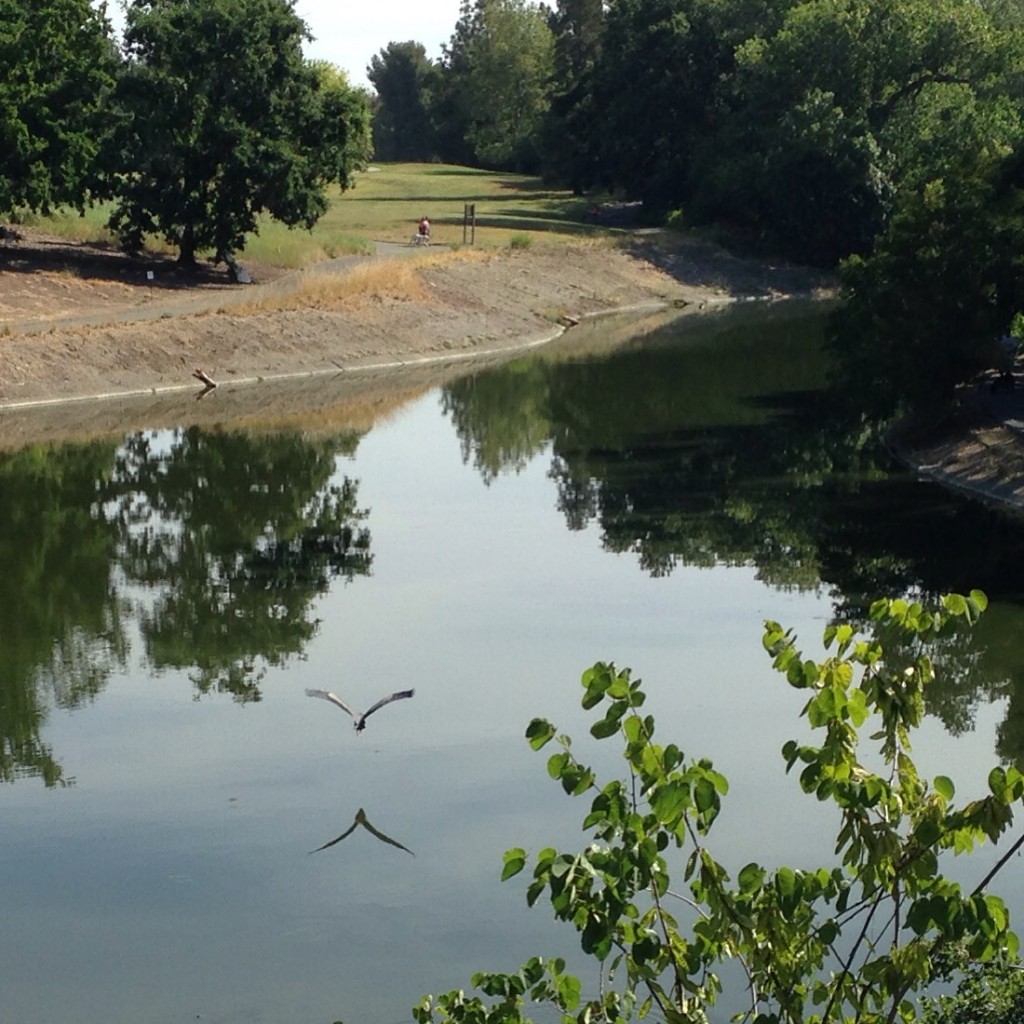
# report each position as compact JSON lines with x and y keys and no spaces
{"x":361,"y":819}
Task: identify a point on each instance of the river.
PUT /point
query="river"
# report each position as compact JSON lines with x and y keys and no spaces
{"x":189,"y":836}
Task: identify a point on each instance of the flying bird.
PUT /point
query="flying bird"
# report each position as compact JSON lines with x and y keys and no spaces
{"x":359,"y":718}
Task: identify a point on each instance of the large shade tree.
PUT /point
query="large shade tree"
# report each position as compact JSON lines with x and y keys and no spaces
{"x":661,"y":89}
{"x":58,"y":64}
{"x":221,"y":119}
{"x":925,"y":310}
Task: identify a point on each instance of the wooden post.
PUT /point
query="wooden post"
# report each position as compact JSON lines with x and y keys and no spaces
{"x":469,"y":223}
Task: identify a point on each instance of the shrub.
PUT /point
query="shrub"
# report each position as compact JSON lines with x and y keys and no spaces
{"x":850,"y":941}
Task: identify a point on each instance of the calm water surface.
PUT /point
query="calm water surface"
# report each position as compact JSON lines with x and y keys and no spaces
{"x":169,"y":596}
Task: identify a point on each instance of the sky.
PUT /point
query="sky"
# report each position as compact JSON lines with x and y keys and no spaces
{"x":350,"y":32}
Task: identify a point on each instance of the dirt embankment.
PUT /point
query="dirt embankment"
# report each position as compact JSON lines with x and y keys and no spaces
{"x":76,"y":321}
{"x":977,"y":449}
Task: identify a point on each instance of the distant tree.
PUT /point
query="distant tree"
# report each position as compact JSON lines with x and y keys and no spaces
{"x":498,"y":68}
{"x":221,"y":119}
{"x":347,"y":105}
{"x":572,"y":132}
{"x":661,"y":89}
{"x":58,"y":63}
{"x":1005,"y":13}
{"x":453,"y":104}
{"x":404,"y":78}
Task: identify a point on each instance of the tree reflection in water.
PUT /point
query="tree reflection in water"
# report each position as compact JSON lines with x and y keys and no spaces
{"x":61,"y":626}
{"x":213,"y":545}
{"x":233,"y":535}
{"x":720,"y":445}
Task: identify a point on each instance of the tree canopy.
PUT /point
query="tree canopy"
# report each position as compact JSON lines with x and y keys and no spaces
{"x":822,"y":130}
{"x":497,"y":70}
{"x":221,"y":119}
{"x":403,"y":78}
{"x":59,"y":63}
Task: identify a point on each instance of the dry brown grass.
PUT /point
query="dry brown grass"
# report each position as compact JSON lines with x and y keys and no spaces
{"x":393,"y":280}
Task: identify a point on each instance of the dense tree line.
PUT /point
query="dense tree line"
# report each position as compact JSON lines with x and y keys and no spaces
{"x":207,"y":117}
{"x":889,"y":135}
{"x":800,"y":121}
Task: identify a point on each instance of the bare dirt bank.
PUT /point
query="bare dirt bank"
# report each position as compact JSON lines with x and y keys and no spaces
{"x":978,"y":449}
{"x":88,"y":336}
{"x":78,"y":323}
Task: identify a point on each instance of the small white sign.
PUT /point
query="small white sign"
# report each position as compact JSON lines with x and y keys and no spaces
{"x":149,"y":275}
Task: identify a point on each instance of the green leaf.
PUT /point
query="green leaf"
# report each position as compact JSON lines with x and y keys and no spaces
{"x":751,"y":878}
{"x":633,"y":728}
{"x":920,"y":915}
{"x":604,"y":728}
{"x":568,"y":991}
{"x":857,"y":708}
{"x":788,"y":888}
{"x":596,"y":681}
{"x":539,"y":732}
{"x":556,"y":764}
{"x":719,"y":781}
{"x":927,"y":832}
{"x":595,"y":938}
{"x":704,"y":795}
{"x":997,"y":782}
{"x":669,"y":801}
{"x":619,"y":688}
{"x":944,"y":787}
{"x":515,"y":861}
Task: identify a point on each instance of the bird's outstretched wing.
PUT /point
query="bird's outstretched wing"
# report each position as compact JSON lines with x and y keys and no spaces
{"x":338,"y":839}
{"x":400,"y":695}
{"x":361,"y":819}
{"x":335,"y":699}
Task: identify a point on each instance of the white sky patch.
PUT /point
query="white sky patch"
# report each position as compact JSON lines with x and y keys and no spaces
{"x":349,"y":33}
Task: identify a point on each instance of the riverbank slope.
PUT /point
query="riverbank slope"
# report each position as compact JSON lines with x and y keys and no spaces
{"x":71,"y":328}
{"x":978,"y":448}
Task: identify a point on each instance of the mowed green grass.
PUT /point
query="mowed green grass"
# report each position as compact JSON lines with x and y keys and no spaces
{"x":389,"y":199}
{"x":386,"y":203}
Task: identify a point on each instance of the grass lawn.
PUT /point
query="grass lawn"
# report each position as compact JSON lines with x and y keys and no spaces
{"x":387,"y":202}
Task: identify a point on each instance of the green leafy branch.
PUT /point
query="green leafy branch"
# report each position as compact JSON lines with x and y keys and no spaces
{"x":850,"y":942}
